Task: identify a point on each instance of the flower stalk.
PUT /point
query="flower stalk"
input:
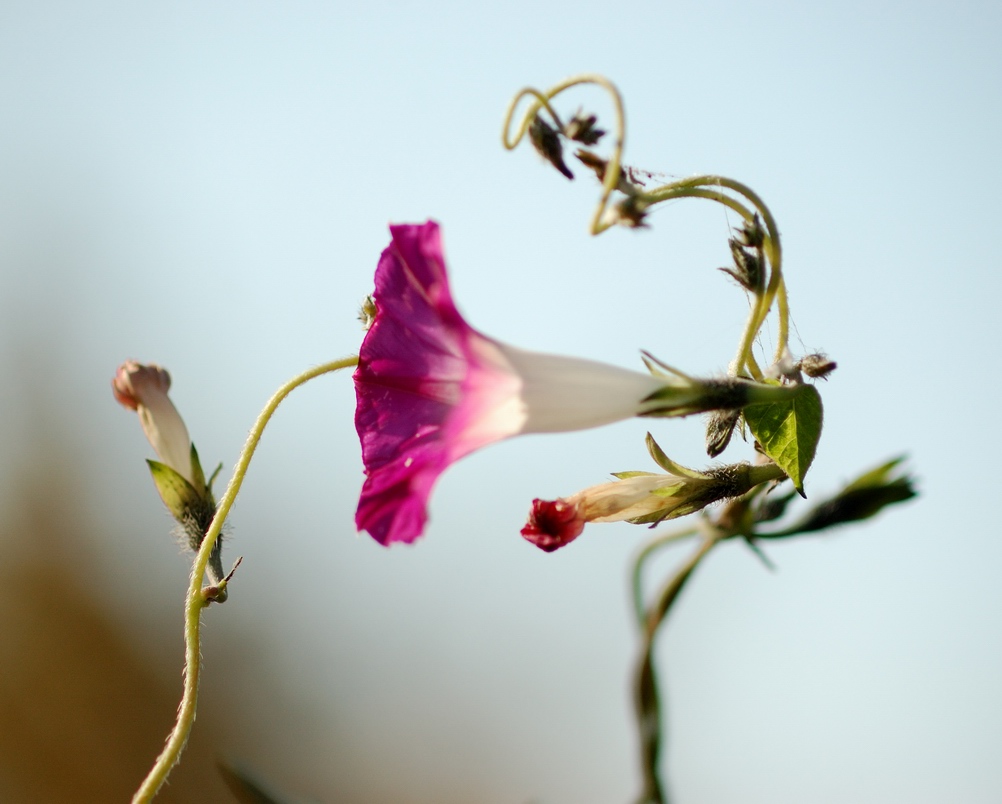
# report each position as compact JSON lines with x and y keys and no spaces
{"x":198,"y":598}
{"x":649,"y":699}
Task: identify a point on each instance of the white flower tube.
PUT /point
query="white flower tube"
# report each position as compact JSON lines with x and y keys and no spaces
{"x":143,"y":388}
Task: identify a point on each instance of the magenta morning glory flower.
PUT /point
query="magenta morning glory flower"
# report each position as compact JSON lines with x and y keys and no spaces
{"x":431,"y":389}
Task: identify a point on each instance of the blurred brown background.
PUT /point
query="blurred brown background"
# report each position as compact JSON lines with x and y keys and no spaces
{"x":83,"y":712}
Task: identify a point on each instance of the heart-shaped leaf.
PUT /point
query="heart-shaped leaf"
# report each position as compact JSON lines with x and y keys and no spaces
{"x":788,"y":431}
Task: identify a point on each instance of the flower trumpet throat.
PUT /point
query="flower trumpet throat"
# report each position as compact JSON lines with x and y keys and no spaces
{"x":431,"y":389}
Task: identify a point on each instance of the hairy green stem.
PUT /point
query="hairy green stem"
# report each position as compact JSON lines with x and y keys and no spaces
{"x":688,"y":191}
{"x":640,"y":562}
{"x":198,"y":599}
{"x":697,"y":187}
{"x":649,"y":701}
{"x":541,"y":102}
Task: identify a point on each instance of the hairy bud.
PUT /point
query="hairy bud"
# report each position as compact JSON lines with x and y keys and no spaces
{"x":817,"y":365}
{"x":546,"y":141}
{"x":719,"y":428}
{"x":581,"y":128}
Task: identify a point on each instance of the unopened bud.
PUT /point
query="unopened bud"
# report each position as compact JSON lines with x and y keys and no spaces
{"x":143,"y":388}
{"x":546,"y":141}
{"x":817,"y":366}
{"x":642,"y":498}
{"x":751,"y":233}
{"x":747,"y":270}
{"x":178,"y":474}
{"x":719,"y":428}
{"x":581,"y":128}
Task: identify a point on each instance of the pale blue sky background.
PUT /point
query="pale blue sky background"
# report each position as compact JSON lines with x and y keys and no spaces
{"x":207,"y":186}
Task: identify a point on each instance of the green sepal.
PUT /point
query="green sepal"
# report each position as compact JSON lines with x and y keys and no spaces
{"x":668,"y":491}
{"x":876,"y":477}
{"x":212,"y":479}
{"x":659,"y":368}
{"x":668,"y":464}
{"x":625,"y":475}
{"x":788,"y":431}
{"x":178,"y":494}
{"x":198,"y":476}
{"x":674,"y":401}
{"x":665,"y":514}
{"x":683,"y":397}
{"x":650,"y":519}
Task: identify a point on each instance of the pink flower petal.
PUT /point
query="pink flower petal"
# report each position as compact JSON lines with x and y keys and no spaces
{"x":422,"y":386}
{"x":430,"y":389}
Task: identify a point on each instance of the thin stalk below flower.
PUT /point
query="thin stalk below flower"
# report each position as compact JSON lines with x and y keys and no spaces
{"x":649,"y":700}
{"x":197,"y":598}
{"x":640,"y":562}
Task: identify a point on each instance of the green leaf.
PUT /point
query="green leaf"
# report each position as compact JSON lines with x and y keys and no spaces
{"x":177,"y":493}
{"x":789,"y":431}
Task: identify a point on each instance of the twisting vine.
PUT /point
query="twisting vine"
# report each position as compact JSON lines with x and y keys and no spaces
{"x":786,"y":431}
